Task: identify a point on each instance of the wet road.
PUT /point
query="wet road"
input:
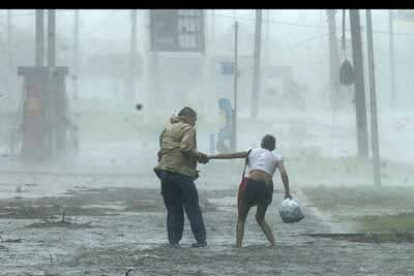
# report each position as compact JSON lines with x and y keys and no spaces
{"x":136,"y":240}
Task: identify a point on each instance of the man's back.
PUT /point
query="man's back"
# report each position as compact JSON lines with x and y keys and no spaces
{"x":177,"y":141}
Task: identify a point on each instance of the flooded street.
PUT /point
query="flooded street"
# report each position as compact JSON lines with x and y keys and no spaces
{"x":125,"y":229}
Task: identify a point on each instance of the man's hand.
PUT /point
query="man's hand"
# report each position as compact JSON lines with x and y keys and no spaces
{"x":288,"y":195}
{"x":159,"y":155}
{"x":202,"y":158}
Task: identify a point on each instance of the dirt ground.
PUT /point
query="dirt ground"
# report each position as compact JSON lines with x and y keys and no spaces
{"x":110,"y":229}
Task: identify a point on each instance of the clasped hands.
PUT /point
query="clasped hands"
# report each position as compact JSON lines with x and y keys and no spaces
{"x":202,"y":158}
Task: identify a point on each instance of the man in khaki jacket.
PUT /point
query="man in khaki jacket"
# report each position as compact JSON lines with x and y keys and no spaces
{"x":177,"y":170}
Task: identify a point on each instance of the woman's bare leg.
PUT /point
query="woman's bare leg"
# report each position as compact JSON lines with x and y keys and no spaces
{"x":241,"y":219}
{"x":260,"y":218}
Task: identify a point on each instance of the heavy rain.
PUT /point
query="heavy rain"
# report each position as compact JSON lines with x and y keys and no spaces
{"x":86,"y":94}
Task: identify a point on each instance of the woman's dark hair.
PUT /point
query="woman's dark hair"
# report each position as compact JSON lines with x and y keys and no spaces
{"x":187,"y":112}
{"x":268,"y":142}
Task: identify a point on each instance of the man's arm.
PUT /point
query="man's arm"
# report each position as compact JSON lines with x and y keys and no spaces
{"x":161,"y":135}
{"x":234,"y":155}
{"x":285,"y":179}
{"x":187,"y":144}
{"x":159,"y":154}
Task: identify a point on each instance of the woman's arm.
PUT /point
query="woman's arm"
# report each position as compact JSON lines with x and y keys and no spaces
{"x":285,"y":179}
{"x":242,"y":154}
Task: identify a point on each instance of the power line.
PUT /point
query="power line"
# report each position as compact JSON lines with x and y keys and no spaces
{"x":98,"y":21}
{"x":269,"y":54}
{"x":89,"y":28}
{"x":296,"y":24}
{"x":268,"y":21}
{"x":19,"y":14}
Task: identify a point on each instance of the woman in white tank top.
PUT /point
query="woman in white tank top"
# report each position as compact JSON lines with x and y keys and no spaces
{"x":257,"y":187}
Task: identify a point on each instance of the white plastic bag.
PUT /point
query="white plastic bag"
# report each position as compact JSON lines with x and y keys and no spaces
{"x":290,"y":211}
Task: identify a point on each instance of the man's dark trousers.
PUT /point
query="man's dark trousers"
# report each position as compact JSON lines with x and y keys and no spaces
{"x":179,"y":191}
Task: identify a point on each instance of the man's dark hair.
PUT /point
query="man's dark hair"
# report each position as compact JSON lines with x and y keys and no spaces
{"x":268,"y":142}
{"x":187,"y":112}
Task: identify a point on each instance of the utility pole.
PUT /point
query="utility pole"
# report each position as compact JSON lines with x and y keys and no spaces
{"x":266,"y":61}
{"x":213,"y":32}
{"x":55,"y":135}
{"x":333,"y":55}
{"x":76,"y":55}
{"x":267,"y":30}
{"x":392,"y":59}
{"x":212,"y":52}
{"x":360,"y":105}
{"x":10,"y":61}
{"x":9,"y":33}
{"x":205,"y":65}
{"x":51,"y":35}
{"x":155,"y":76}
{"x":130,"y":97}
{"x":373,"y":100}
{"x":233,"y":145}
{"x":39,"y":59}
{"x":256,"y":64}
